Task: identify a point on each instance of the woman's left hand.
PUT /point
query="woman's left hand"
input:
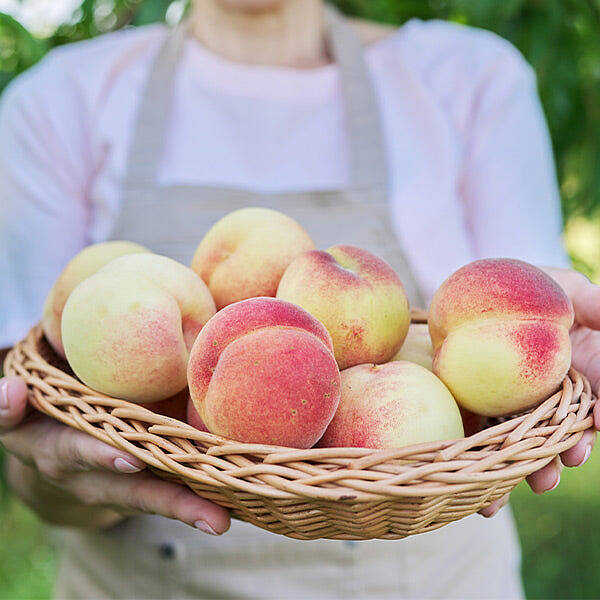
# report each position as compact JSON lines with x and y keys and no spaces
{"x":585,"y":338}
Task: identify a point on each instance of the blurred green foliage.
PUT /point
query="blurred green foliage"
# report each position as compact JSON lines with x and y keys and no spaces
{"x":560,"y":38}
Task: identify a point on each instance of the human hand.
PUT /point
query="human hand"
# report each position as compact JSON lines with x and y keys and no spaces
{"x":70,"y":478}
{"x":585,"y":339}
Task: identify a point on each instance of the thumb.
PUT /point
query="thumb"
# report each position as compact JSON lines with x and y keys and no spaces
{"x":584,"y":295}
{"x":13,"y":402}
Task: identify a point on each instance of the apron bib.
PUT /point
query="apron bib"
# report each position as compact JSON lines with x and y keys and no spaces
{"x":153,"y":557}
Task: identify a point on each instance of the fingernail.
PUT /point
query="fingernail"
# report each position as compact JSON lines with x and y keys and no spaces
{"x":205,"y":528}
{"x":588,"y":451}
{"x":124,"y":466}
{"x":4,"y":396}
{"x":555,"y":485}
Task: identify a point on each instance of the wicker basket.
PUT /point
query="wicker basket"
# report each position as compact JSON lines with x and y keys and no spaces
{"x":352,"y":493}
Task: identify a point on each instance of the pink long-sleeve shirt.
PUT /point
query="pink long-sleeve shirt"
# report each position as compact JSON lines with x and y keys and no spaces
{"x":469,"y":154}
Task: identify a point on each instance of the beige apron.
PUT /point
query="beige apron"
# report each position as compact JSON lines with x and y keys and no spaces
{"x":152,"y":557}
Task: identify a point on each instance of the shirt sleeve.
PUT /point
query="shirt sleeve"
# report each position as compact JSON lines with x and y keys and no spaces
{"x":508,"y":185}
{"x":44,"y":167}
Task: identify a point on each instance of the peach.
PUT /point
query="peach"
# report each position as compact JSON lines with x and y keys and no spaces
{"x":391,"y":406}
{"x":84,"y":264}
{"x":417,"y":346}
{"x":262,"y":371}
{"x":500,"y":332}
{"x":190,"y":292}
{"x":356,"y":295}
{"x":128,"y":329}
{"x":245,"y":254}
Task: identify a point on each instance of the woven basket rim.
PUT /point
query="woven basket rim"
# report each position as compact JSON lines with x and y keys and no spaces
{"x":511,"y":449}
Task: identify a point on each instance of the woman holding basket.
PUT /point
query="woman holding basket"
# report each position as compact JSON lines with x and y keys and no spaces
{"x":425,"y":144}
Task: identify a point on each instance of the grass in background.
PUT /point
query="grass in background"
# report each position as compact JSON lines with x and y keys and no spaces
{"x":27,"y":559}
{"x":559,"y":531}
{"x":560,"y":535}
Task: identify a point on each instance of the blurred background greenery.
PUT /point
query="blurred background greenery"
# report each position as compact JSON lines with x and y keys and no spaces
{"x":561,"y":39}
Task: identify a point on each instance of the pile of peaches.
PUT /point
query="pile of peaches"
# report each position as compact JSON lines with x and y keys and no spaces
{"x":267,"y":340}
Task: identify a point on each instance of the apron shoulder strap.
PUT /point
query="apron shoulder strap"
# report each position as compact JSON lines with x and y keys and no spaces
{"x":365,"y":131}
{"x":147,"y":142}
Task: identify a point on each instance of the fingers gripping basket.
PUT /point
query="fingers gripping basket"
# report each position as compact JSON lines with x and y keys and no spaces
{"x":332,"y":493}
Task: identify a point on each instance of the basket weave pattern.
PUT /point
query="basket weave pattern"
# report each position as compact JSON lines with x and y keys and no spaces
{"x":334,"y":493}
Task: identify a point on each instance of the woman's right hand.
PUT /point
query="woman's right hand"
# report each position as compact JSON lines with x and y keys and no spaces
{"x":70,"y":478}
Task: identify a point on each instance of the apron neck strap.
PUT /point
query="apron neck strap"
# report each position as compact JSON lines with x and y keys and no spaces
{"x":368,"y":167}
{"x":367,"y":151}
{"x":147,"y":143}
